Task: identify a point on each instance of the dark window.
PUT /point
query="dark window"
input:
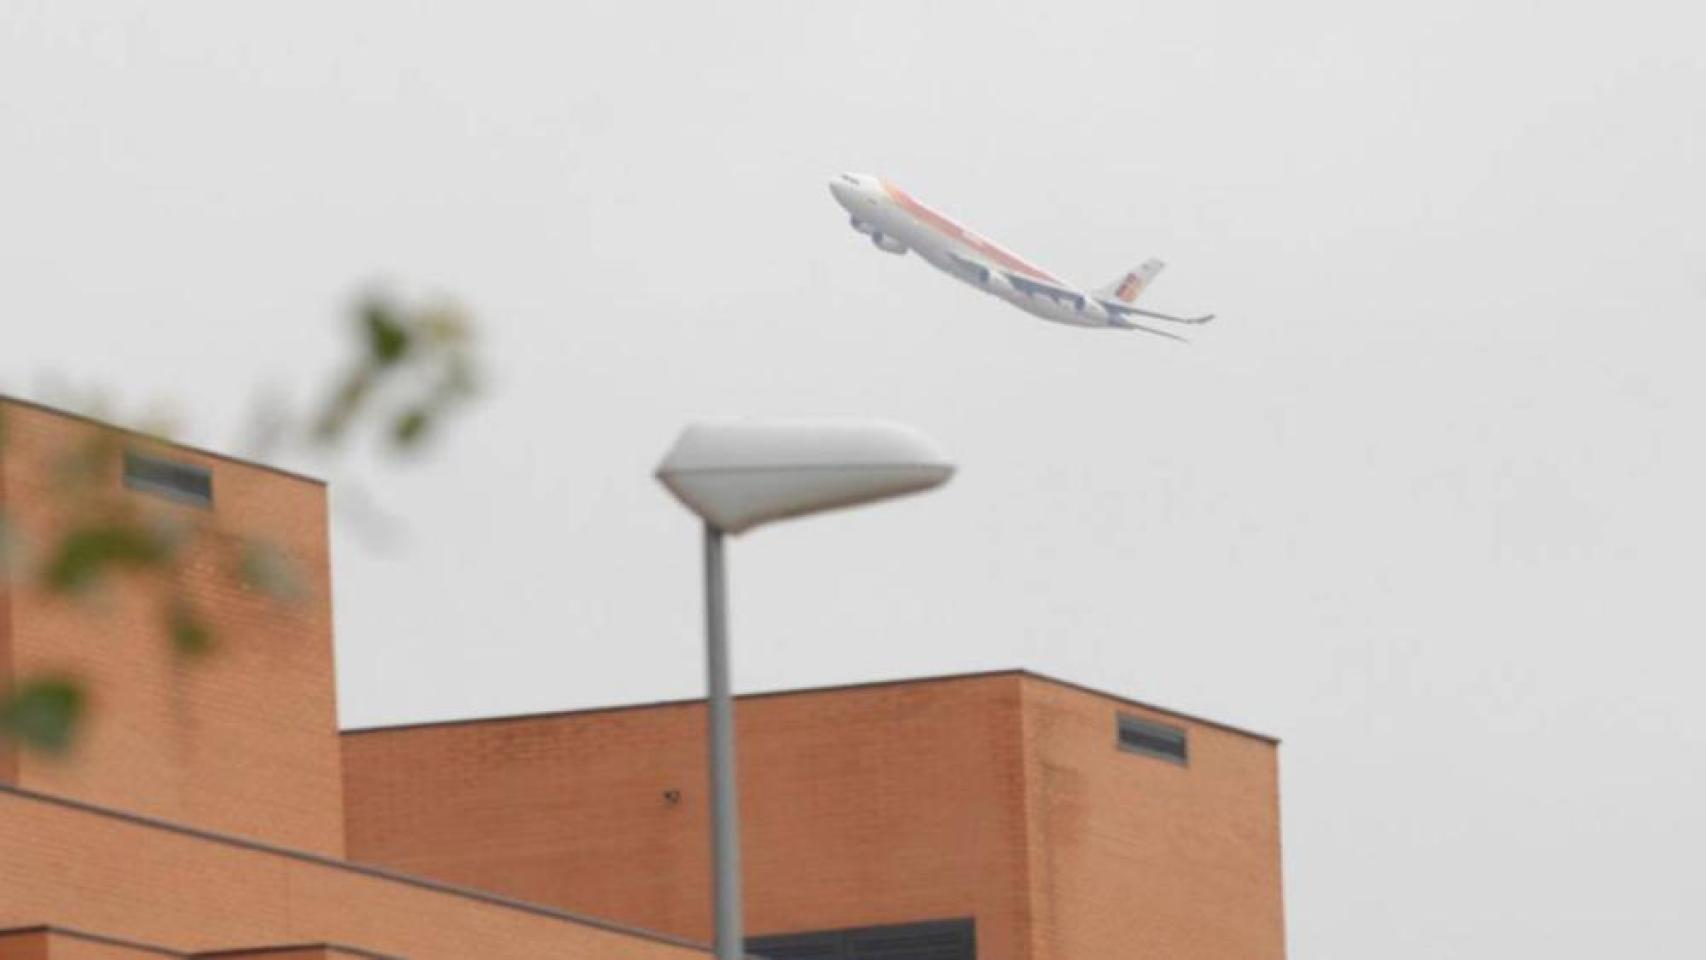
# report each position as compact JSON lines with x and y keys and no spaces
{"x":928,"y":940}
{"x":1138,"y":735}
{"x":184,"y":482}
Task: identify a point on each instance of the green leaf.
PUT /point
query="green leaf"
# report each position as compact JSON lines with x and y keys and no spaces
{"x":87,"y":553}
{"x":191,"y":635}
{"x":43,"y":714}
{"x":444,"y":326}
{"x":411,"y":427}
{"x":345,"y":402}
{"x":270,"y":570}
{"x":387,"y":338}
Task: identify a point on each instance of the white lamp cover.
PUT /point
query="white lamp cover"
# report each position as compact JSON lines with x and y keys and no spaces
{"x":737,"y":474}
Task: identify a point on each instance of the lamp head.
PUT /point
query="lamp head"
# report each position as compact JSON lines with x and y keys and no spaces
{"x":737,"y":474}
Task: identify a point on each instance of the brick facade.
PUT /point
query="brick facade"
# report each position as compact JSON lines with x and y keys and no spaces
{"x":858,"y":809}
{"x":242,"y":740}
{"x":1134,"y":856}
{"x":1000,"y":797}
{"x":91,"y":869}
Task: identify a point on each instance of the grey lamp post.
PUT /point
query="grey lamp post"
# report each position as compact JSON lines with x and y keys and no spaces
{"x":736,"y":475}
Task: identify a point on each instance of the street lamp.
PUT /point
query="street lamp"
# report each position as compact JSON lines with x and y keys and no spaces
{"x":736,"y":475}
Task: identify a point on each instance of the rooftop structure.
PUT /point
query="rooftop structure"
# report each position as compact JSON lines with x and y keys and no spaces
{"x":1052,"y":820}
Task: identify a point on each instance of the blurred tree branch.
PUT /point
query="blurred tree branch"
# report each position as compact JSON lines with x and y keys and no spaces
{"x":413,"y":366}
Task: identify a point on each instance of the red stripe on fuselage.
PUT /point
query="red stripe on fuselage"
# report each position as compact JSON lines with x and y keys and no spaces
{"x":954,"y":231}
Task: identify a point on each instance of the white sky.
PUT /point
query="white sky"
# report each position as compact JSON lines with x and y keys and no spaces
{"x":1425,"y":501}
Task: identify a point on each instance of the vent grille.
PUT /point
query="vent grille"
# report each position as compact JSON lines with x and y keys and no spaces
{"x":927,"y":940}
{"x":1137,"y":735}
{"x":183,"y":482}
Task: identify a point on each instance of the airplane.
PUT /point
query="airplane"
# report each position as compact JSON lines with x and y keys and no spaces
{"x":897,"y":223}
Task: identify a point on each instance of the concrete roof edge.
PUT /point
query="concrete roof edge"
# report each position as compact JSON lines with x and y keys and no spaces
{"x":1155,"y":708}
{"x":128,"y":431}
{"x":291,"y":947}
{"x":100,"y":938}
{"x":379,"y":873}
{"x":128,"y":944}
{"x":806,"y":691}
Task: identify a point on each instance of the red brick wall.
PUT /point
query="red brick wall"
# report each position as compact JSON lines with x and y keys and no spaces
{"x":102,"y":873}
{"x":24,"y":946}
{"x":243,"y":740}
{"x":1134,"y":856}
{"x":999,"y":797}
{"x":61,"y":945}
{"x":863,"y":806}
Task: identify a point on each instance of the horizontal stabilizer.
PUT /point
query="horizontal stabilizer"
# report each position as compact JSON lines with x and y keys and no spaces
{"x":1162,"y":316}
{"x":1119,"y":324}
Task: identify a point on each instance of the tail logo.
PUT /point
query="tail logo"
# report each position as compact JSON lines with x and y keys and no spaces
{"x":1129,"y":287}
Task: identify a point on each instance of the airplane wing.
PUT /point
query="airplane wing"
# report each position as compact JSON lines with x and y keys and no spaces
{"x":975,"y":270}
{"x":979,"y":272}
{"x":1118,"y":319}
{"x":1036,"y":288}
{"x":1120,"y":314}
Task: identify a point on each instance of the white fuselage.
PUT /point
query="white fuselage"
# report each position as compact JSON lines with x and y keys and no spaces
{"x":897,"y":223}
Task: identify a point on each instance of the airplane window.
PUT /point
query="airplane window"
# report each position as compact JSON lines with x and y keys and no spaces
{"x":854,"y":181}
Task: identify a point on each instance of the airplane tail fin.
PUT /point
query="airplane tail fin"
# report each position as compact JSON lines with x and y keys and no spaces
{"x":1129,"y":286}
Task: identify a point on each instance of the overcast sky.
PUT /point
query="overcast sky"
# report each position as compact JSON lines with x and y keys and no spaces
{"x":1425,"y":501}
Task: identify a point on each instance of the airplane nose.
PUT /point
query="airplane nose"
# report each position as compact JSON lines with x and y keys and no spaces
{"x":839,"y":190}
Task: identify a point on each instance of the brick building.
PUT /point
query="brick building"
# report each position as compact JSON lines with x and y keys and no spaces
{"x":211,"y":808}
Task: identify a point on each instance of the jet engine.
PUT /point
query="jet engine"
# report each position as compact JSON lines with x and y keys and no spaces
{"x":997,"y":284}
{"x":887,"y":244}
{"x":862,"y":226}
